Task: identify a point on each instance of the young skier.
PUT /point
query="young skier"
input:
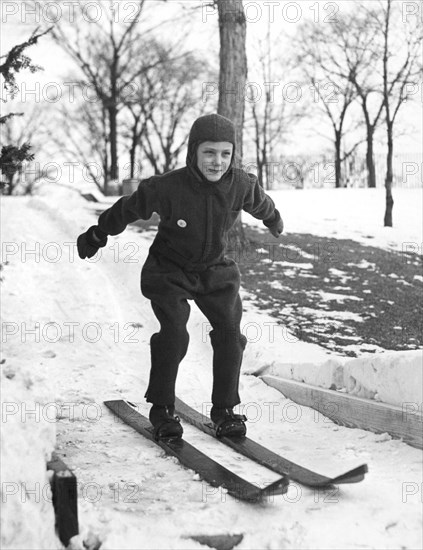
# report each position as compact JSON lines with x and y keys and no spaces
{"x":197,"y":205}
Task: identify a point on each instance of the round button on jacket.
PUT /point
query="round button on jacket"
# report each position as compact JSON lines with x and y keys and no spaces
{"x":182,"y":223}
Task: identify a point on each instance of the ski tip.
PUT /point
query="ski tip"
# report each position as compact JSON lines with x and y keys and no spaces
{"x":353,"y":476}
{"x":278,"y":487}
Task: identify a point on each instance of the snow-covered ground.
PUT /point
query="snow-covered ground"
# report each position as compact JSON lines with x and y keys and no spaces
{"x":356,"y":214}
{"x":77,"y":332}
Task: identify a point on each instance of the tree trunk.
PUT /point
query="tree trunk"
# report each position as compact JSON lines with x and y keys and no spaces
{"x":232,"y":81}
{"x":387,"y":221}
{"x":104,"y":189}
{"x":112,"y":112}
{"x":370,"y":161}
{"x":132,"y":152}
{"x":257,"y":143}
{"x":370,"y":130}
{"x":388,"y":180}
{"x":233,"y":65}
{"x":113,"y":142}
{"x":338,"y":167}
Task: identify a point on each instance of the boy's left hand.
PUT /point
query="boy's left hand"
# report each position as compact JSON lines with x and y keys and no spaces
{"x":274,"y":224}
{"x":277,"y":229}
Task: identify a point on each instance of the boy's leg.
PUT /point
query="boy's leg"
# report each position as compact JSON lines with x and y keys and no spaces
{"x":168,"y":347}
{"x":221,"y":304}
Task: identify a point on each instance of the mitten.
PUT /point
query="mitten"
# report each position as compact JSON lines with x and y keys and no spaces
{"x":89,"y":242}
{"x":275,"y":224}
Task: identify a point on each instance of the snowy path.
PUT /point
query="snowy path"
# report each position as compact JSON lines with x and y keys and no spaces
{"x":131,"y":495}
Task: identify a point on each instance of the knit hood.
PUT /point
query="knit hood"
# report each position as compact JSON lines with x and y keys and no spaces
{"x":212,"y":127}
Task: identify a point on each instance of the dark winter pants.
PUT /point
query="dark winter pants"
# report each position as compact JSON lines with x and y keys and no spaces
{"x":215,"y":291}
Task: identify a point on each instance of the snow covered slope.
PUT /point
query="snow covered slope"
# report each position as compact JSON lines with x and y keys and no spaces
{"x":90,"y":339}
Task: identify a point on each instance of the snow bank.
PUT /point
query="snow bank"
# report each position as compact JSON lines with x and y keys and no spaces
{"x":27,"y":439}
{"x":391,"y":377}
{"x":394,"y":378}
{"x":327,"y":374}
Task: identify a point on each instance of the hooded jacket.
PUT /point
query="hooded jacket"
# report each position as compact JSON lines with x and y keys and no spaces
{"x":195,"y":214}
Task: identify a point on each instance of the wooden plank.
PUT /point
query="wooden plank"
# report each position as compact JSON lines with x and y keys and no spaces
{"x":65,"y":499}
{"x":356,"y":412}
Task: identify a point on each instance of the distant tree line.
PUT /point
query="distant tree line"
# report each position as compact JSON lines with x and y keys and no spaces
{"x":141,"y":93}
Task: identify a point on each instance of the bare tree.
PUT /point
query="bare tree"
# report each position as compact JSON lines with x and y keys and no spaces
{"x":267,"y":126}
{"x":270,"y":119}
{"x":379,"y":53}
{"x":369,"y":43}
{"x":321,"y":55}
{"x":111,"y":57}
{"x":83,"y":139}
{"x":351,"y":59}
{"x":396,"y":78}
{"x":133,"y":131}
{"x":161,"y":109}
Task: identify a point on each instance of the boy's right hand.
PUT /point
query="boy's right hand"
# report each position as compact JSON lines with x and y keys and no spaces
{"x":89,"y":242}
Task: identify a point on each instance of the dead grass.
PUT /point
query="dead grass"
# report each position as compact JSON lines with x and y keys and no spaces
{"x":338,"y":293}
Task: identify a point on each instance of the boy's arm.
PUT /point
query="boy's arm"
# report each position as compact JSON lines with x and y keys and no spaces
{"x":140,"y":205}
{"x":261,"y":206}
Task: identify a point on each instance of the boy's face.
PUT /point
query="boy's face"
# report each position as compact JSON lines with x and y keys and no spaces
{"x":214,"y":158}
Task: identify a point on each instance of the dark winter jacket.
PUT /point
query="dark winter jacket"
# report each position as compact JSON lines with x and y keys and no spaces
{"x":195,"y":214}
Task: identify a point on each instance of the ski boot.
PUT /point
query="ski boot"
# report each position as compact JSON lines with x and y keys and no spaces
{"x":166,"y":425}
{"x":227,"y":423}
